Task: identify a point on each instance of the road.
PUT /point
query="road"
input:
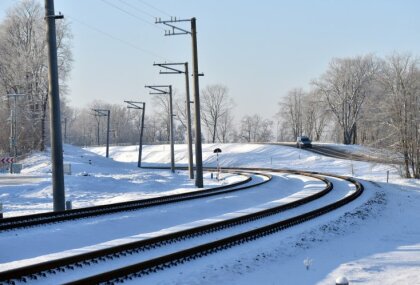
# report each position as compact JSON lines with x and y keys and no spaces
{"x":9,"y":180}
{"x":337,"y":153}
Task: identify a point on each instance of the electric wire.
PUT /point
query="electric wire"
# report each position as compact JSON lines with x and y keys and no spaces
{"x":154,"y":8}
{"x":127,"y":43}
{"x":131,"y":14}
{"x":137,"y":9}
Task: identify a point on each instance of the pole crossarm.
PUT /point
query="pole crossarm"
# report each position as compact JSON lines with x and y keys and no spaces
{"x":175,"y":30}
{"x":168,"y":66}
{"x":134,"y":105}
{"x":159,"y":89}
{"x":100,"y":112}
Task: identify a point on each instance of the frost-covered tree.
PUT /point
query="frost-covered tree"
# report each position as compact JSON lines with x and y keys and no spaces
{"x":302,"y":113}
{"x":23,"y":67}
{"x":345,"y":86}
{"x":226,"y":128}
{"x":291,"y":111}
{"x":315,"y":115}
{"x":399,"y":77}
{"x":215,"y":104}
{"x":255,"y":129}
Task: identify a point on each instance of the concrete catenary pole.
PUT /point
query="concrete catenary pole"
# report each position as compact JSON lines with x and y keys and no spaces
{"x":167,"y":90}
{"x":107,"y":132}
{"x":171,"y":130}
{"x":54,"y":103}
{"x":172,"y":70}
{"x":141,"y":134}
{"x":189,"y":135}
{"x":97,"y":132}
{"x":198,"y":149}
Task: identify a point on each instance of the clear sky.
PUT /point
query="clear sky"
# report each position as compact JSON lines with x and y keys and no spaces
{"x":259,"y":49}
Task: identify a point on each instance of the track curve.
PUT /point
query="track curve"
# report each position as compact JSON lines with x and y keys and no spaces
{"x":86,"y":212}
{"x":136,"y":270}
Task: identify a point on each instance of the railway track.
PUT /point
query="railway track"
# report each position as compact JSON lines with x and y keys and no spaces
{"x":40,"y":271}
{"x":68,"y":215}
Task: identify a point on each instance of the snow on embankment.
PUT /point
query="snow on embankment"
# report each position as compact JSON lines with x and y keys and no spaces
{"x":254,"y":155}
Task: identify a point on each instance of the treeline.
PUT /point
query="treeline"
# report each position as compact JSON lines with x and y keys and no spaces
{"x":83,"y":128}
{"x":365,"y":100}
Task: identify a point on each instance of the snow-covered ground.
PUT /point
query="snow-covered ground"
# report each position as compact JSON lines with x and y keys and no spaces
{"x":374,"y":240}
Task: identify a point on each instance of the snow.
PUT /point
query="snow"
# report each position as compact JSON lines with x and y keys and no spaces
{"x":373,"y":240}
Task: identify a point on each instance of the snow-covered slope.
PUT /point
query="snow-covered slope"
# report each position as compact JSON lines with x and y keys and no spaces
{"x":374,"y":240}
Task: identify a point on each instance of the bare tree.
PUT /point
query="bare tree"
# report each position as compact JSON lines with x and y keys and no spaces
{"x":255,"y":129}
{"x":215,"y":103}
{"x":265,"y":131}
{"x":226,"y":128}
{"x":315,"y":115}
{"x":245,"y":132}
{"x":345,"y":86}
{"x":162,"y":103}
{"x":23,"y":64}
{"x":400,"y":79}
{"x":291,"y":110}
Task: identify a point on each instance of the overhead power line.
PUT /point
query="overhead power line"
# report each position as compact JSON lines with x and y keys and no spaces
{"x":153,"y":7}
{"x":129,"y":13}
{"x":127,"y":43}
{"x":137,"y":9}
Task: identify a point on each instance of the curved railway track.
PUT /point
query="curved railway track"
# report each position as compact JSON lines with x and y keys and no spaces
{"x":54,"y":217}
{"x":42,"y":270}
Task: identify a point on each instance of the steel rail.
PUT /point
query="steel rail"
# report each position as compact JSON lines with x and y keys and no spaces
{"x":53,"y":217}
{"x":40,"y":269}
{"x":145,"y":267}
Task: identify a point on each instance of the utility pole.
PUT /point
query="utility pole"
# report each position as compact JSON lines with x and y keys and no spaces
{"x":98,"y":120}
{"x":103,"y":113}
{"x":135,"y":105}
{"x":175,"y":30}
{"x":166,"y":90}
{"x":55,"y":120}
{"x":172,"y":70}
{"x":13,"y":124}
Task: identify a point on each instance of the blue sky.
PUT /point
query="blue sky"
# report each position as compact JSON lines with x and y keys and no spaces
{"x":259,"y":49}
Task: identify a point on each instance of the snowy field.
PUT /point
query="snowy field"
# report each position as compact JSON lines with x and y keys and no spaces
{"x":374,"y":240}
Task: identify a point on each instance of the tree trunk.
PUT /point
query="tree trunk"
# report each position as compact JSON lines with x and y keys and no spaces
{"x":43,"y":122}
{"x":346,"y":137}
{"x":354,"y":134}
{"x":214,"y":131}
{"x":406,"y":165}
